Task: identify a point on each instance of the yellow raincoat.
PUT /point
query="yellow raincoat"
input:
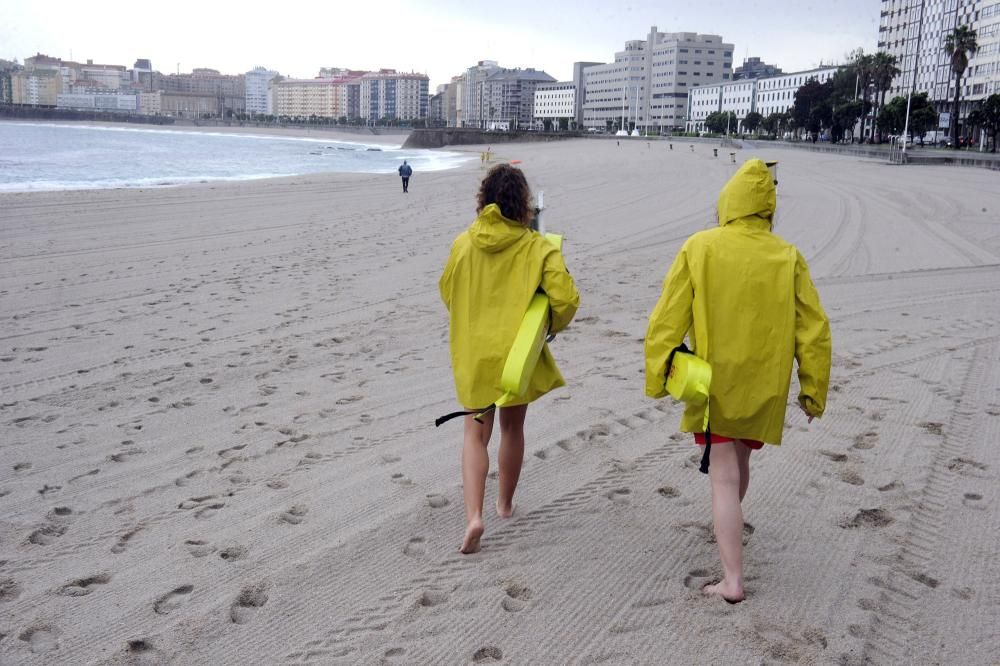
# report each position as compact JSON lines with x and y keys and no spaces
{"x":495,"y":267}
{"x":745,"y":299}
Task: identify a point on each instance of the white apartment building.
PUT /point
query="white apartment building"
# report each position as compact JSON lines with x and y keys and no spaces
{"x":648,"y":82}
{"x":774,"y":94}
{"x":39,"y":87}
{"x":555,"y":100}
{"x":302,"y":98}
{"x":258,"y":98}
{"x":151,"y":103}
{"x":390,"y":94}
{"x":914,"y":31}
{"x":471,"y":101}
{"x":98,"y":102}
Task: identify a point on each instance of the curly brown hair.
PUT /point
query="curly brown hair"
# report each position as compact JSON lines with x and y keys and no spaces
{"x":507,"y":187}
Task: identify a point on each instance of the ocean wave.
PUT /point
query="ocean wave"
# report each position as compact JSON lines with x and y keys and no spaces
{"x":129,"y":183}
{"x":203,"y":133}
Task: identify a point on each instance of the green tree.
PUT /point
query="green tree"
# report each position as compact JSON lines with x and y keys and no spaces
{"x":547,"y":124}
{"x":891,"y":117}
{"x":564,"y":124}
{"x":607,"y":125}
{"x":990,"y":117}
{"x":883,"y":71}
{"x":959,"y":46}
{"x":863,"y":65}
{"x":718,"y":122}
{"x":752,"y":121}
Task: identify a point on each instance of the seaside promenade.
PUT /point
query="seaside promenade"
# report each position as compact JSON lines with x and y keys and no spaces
{"x":217,"y":405}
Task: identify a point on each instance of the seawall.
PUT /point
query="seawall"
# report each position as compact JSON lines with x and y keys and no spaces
{"x":439,"y":138}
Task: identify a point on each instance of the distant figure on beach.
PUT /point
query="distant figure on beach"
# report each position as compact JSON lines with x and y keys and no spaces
{"x":744,"y":298}
{"x":405,"y":171}
{"x":493,"y":271}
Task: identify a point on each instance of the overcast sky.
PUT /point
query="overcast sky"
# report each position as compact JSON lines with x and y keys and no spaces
{"x":438,"y":37}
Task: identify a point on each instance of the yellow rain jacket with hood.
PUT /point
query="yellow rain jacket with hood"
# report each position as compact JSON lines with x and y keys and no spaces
{"x":744,"y":298}
{"x":494,"y":269}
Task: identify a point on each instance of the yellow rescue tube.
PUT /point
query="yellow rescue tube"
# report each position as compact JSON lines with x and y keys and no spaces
{"x":528,"y":343}
{"x":689,"y":378}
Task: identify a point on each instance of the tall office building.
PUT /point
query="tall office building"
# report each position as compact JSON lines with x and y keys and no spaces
{"x":391,"y":94}
{"x":258,"y":99}
{"x":648,"y":82}
{"x":915,"y":30}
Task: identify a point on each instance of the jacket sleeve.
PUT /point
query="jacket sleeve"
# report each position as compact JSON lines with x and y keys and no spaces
{"x":669,"y":323}
{"x":813,"y":346}
{"x":444,"y":284}
{"x":564,"y":300}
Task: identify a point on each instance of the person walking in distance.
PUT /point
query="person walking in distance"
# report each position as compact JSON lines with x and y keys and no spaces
{"x":744,"y":298}
{"x":405,"y":171}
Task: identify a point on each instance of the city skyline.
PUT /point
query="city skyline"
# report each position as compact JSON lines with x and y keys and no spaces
{"x":440,"y":39}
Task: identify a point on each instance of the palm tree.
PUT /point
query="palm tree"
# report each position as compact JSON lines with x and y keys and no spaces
{"x":959,"y":45}
{"x":883,"y":71}
{"x":863,"y":66}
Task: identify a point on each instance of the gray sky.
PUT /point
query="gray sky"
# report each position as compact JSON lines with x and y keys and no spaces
{"x":438,"y":37}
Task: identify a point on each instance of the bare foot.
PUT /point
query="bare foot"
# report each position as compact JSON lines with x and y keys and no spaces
{"x":505,"y":512}
{"x":731,"y":592}
{"x":473,"y":533}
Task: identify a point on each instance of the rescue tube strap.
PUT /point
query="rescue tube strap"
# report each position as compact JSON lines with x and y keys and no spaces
{"x":454,"y":415}
{"x":708,"y":449}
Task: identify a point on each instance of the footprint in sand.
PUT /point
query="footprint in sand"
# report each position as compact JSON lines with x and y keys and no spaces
{"x":199,"y":548}
{"x":415,"y":547}
{"x":46,"y":534}
{"x":401,"y":479}
{"x":141,"y":651}
{"x":668,"y":491}
{"x":872,"y":518}
{"x":851,"y":477}
{"x":517,"y":596}
{"x":40,"y":639}
{"x":10,"y":589}
{"x":437,"y":501}
{"x":487,"y":654}
{"x":619,"y":495}
{"x":835,"y":457}
{"x":294,"y":515}
{"x":974,"y":501}
{"x":699,"y":578}
{"x":182,"y":481}
{"x":251,"y":598}
{"x":124,"y":455}
{"x":966,"y":466}
{"x":433,"y":598}
{"x":865,"y":441}
{"x":83,"y":586}
{"x":233,"y":553}
{"x":172,"y":600}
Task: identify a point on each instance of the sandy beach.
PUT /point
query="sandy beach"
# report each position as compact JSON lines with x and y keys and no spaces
{"x":217,"y":440}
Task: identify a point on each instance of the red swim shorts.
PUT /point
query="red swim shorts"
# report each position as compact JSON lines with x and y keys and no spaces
{"x":699,"y":439}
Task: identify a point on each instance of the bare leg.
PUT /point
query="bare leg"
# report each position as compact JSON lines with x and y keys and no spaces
{"x":511,"y":456}
{"x":743,"y":453}
{"x":724,"y":472}
{"x":475,"y":466}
